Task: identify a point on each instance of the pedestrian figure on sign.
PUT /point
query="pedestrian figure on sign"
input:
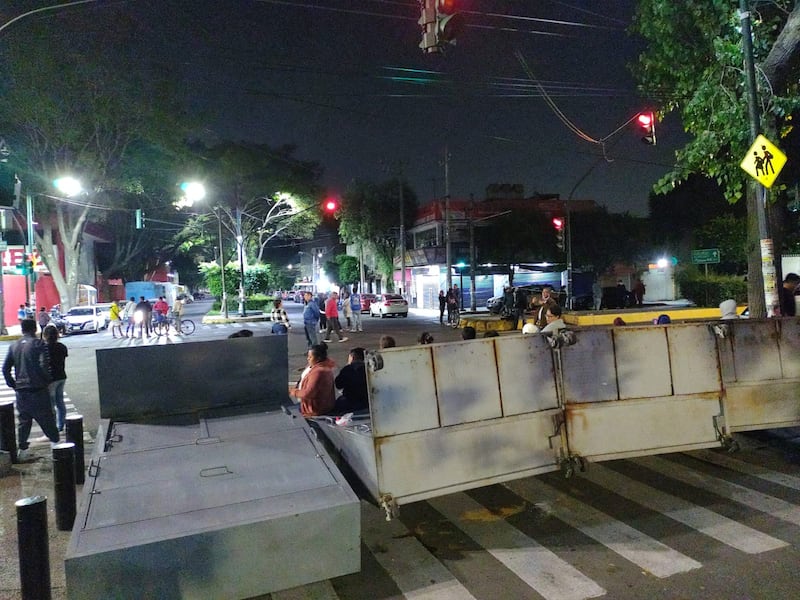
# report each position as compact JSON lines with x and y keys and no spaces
{"x":759,"y":163}
{"x":768,"y":161}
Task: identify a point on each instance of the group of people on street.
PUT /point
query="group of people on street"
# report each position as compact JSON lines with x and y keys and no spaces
{"x":449,"y":301}
{"x":143,"y":314}
{"x":35,"y":368}
{"x":325,"y":319}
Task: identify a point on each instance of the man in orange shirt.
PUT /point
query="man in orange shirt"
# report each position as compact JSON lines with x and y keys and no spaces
{"x":332,"y":316}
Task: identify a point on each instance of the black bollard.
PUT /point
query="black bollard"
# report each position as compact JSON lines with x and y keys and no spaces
{"x":8,"y":434}
{"x":33,"y":547}
{"x":64,"y":485}
{"x":74,"y":431}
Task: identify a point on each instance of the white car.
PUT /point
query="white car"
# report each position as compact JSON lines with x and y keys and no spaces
{"x":388,"y":304}
{"x":85,"y":318}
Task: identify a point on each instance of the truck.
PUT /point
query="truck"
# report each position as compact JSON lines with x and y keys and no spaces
{"x":151,"y":290}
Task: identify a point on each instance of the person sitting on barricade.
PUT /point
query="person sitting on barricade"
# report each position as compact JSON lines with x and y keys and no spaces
{"x":352,"y":380}
{"x":315,"y":388}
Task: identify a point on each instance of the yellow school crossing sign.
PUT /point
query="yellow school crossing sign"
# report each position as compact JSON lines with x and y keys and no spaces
{"x":764,"y":161}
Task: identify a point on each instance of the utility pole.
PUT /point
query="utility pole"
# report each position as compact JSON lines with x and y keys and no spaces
{"x":448,"y":250}
{"x":769,"y":282}
{"x":403,"y":288}
{"x":240,"y":244}
{"x":473,"y":306}
{"x":30,"y":278}
{"x":222,"y":267}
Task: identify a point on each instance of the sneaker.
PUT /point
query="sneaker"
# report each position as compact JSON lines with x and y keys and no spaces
{"x":24,"y":455}
{"x":328,"y":341}
{"x":344,"y":339}
{"x":43,"y":438}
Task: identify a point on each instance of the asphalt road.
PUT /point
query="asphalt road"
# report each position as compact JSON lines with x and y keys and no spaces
{"x":699,"y":525}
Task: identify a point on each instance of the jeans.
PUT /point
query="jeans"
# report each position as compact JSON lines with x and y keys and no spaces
{"x":357,"y":320}
{"x":312,"y":332}
{"x":35,"y":404}
{"x":333,"y":325}
{"x":56,"y":390}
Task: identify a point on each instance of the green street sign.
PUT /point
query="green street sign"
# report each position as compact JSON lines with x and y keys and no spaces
{"x":705,"y":257}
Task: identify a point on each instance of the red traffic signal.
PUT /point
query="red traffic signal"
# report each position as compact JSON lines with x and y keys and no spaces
{"x":331,"y":205}
{"x":647,"y":122}
{"x":558,"y":223}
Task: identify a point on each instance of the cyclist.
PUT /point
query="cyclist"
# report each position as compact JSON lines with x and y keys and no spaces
{"x":177,"y":312}
{"x":160,"y":310}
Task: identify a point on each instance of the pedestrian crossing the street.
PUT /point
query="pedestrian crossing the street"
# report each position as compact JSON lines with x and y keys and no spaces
{"x":698,"y":521}
{"x":36,"y":435}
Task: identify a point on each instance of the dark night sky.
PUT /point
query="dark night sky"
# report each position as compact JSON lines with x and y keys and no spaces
{"x":325,"y":75}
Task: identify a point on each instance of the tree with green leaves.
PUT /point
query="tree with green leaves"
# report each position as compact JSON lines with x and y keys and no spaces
{"x":693,"y":64}
{"x":370,"y":218}
{"x":258,"y":192}
{"x":76,"y":102}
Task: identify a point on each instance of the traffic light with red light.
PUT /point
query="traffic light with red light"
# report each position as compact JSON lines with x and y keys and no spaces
{"x":558,"y":224}
{"x":441,"y":24}
{"x":647,"y":121}
{"x":330,"y":205}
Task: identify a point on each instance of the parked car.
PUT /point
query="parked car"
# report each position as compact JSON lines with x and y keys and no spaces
{"x":85,"y":319}
{"x":388,"y":304}
{"x":496,"y":304}
{"x":366,"y":300}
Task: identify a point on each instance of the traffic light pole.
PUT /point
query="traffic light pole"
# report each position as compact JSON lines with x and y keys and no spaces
{"x":448,"y":249}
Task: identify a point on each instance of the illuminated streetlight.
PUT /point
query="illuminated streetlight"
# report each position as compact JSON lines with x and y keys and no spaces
{"x":69,"y":186}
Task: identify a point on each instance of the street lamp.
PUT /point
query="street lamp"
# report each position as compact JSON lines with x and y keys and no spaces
{"x":194,"y":191}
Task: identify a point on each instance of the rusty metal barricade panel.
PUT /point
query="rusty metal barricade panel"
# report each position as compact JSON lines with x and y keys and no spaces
{"x":749,"y":407}
{"x":754,"y":350}
{"x":693,"y":358}
{"x":433,"y":463}
{"x":466,"y":382}
{"x":630,"y":428}
{"x":789,"y":344}
{"x":526,"y":373}
{"x":402,"y":394}
{"x":588,"y":367}
{"x":642,"y":360}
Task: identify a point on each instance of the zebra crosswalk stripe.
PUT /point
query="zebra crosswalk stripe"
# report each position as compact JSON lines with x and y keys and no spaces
{"x":705,"y":521}
{"x":406,"y":560}
{"x":745,"y":468}
{"x":637,"y":547}
{"x":540,"y":568}
{"x":786,"y":511}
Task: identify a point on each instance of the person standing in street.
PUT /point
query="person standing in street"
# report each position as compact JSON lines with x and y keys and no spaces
{"x":129,"y":314}
{"x":144,"y":314}
{"x":311,"y":319}
{"x":332,"y":318}
{"x":355,"y":308}
{"x":347,"y":311}
{"x":177,"y":312}
{"x":58,"y":363}
{"x":43,"y":319}
{"x":442,"y":306}
{"x":114,"y":318}
{"x":790,"y":283}
{"x":279,"y":318}
{"x":29,"y":360}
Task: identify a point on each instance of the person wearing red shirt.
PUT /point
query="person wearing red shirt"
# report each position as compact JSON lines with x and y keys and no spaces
{"x":161,"y":308}
{"x":332,"y":314}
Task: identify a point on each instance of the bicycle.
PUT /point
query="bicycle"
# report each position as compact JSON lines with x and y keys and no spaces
{"x":162,"y":326}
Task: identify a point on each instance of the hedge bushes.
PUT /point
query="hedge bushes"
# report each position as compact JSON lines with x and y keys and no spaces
{"x":710,"y":291}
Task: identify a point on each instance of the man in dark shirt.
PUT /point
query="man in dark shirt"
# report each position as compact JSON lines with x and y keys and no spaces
{"x":145,"y":309}
{"x":30,"y":362}
{"x":352,"y":380}
{"x":790,"y":283}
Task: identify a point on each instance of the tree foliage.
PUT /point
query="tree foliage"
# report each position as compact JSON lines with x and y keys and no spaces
{"x":76,"y":100}
{"x":261,"y":192}
{"x":370,"y":215}
{"x":693,"y":64}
